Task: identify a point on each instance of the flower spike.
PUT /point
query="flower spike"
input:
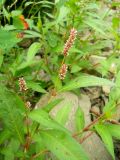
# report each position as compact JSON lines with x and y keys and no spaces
{"x":70,"y":41}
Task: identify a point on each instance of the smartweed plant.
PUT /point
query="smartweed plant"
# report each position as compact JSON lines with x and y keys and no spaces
{"x":48,"y":52}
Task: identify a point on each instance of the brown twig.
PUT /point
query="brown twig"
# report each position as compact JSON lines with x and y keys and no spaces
{"x":113,"y":121}
{"x":94,"y":112}
{"x":27,"y":143}
{"x":108,"y":120}
{"x":92,"y":123}
{"x":85,"y":137}
{"x":88,"y":126}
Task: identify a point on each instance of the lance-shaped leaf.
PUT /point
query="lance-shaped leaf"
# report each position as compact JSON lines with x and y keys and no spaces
{"x":114,"y":130}
{"x":11,"y":112}
{"x":79,"y":119}
{"x":63,"y":114}
{"x":45,"y":120}
{"x":35,"y":87}
{"x":1,"y":59}
{"x":34,"y":48}
{"x":106,"y":137}
{"x":85,"y":80}
{"x":8,"y":39}
{"x":48,"y":107}
{"x":63,"y":146}
{"x":4,"y":135}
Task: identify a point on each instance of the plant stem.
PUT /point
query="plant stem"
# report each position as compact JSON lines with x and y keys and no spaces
{"x":38,"y":154}
{"x":108,"y":120}
{"x":85,"y":137}
{"x":94,"y":122}
{"x":88,"y":126}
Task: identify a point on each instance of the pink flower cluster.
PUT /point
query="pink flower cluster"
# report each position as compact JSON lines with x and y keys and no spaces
{"x":70,"y":41}
{"x":22,"y":84}
{"x":63,"y":71}
{"x":68,"y":45}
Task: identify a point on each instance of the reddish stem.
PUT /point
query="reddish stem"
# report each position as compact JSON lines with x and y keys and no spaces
{"x":85,"y":137}
{"x":38,"y":154}
{"x":88,"y":126}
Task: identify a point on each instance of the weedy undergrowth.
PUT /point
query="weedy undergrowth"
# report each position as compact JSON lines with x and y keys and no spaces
{"x":50,"y":51}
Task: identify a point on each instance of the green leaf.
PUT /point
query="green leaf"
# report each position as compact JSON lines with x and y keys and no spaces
{"x":6,"y":14}
{"x":79,"y":119}
{"x":63,"y":146}
{"x":52,"y":104}
{"x":52,"y":39}
{"x":33,"y":49}
{"x":16,"y":13}
{"x":63,"y":114}
{"x":31,"y":34}
{"x":48,"y":14}
{"x":35,"y":86}
{"x":106,"y":137}
{"x":114,"y":96}
{"x":25,"y":64}
{"x":85,"y":80}
{"x":75,"y":68}
{"x":118,"y":79}
{"x":63,"y":12}
{"x":57,"y":82}
{"x":4,"y":135}
{"x":44,"y":119}
{"x":39,"y":146}
{"x":18,"y":24}
{"x":8,"y":39}
{"x":96,"y":25}
{"x":11,"y":112}
{"x":110,"y":108}
{"x":1,"y":59}
{"x":28,"y":3}
{"x":1,"y":3}
{"x":114,"y":130}
{"x":42,"y":2}
{"x":11,"y":150}
{"x":117,"y":4}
